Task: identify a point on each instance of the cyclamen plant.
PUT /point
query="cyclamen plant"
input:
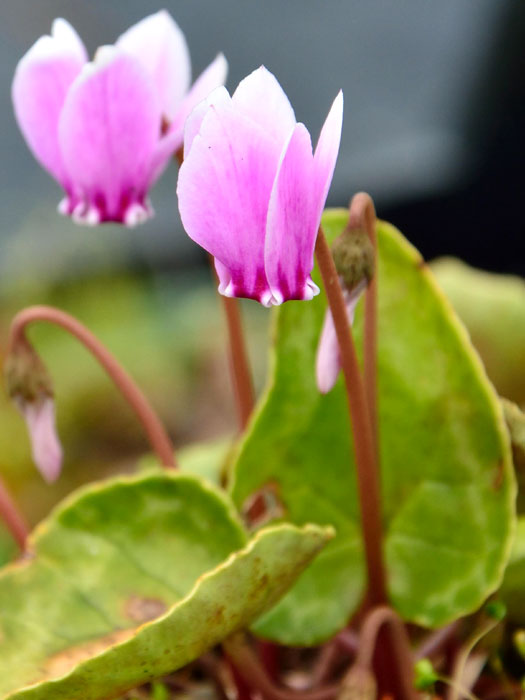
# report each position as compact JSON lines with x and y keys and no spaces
{"x":350,"y":530}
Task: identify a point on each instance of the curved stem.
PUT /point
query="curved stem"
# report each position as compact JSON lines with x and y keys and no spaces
{"x":151,"y":423}
{"x":364,"y":444}
{"x":247,"y":663}
{"x":434,"y":642}
{"x":363,"y":216}
{"x":12,"y":517}
{"x":373,"y":623}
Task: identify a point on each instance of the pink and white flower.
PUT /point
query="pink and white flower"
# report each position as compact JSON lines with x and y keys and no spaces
{"x":251,"y":191}
{"x":328,"y":360}
{"x":106,"y":129}
{"x":39,"y":415}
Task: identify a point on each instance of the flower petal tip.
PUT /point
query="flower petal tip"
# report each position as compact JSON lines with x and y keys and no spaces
{"x":45,"y":446}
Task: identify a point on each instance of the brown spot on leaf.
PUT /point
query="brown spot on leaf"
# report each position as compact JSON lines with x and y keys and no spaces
{"x":66,"y":660}
{"x":421,"y":264}
{"x":497,"y":481}
{"x":144,"y":609}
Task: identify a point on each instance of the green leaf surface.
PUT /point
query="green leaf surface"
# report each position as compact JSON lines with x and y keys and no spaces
{"x":207,"y":460}
{"x":447,"y":483}
{"x":133,"y":578}
{"x":492,"y":307}
{"x":512,"y":589}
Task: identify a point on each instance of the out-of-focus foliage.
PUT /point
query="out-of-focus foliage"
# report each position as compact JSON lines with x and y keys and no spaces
{"x":133,"y":578}
{"x":169,"y":334}
{"x":448,"y":486}
{"x":493,"y":309}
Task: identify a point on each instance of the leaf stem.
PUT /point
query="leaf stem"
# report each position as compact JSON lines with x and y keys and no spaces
{"x":247,"y":663}
{"x":363,"y":216}
{"x":375,"y":620}
{"x":151,"y":423}
{"x":364,"y":443}
{"x":13,"y":517}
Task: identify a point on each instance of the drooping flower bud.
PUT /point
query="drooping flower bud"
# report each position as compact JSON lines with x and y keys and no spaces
{"x":30,"y":387}
{"x":353,"y":255}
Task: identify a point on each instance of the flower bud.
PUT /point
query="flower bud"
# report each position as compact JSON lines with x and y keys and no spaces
{"x":30,"y":387}
{"x":353,"y":255}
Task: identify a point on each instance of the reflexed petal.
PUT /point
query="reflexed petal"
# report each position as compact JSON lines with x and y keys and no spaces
{"x":291,"y":231}
{"x":42,"y":79}
{"x":220,"y":98}
{"x":159,"y":44}
{"x":214,"y":76}
{"x":45,"y":445}
{"x":223,"y":190}
{"x":326,"y":152}
{"x":108,"y":132}
{"x":68,"y":39}
{"x":328,"y":361}
{"x":260,"y":97}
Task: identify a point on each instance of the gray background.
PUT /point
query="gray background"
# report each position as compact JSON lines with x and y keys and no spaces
{"x":428,"y":132}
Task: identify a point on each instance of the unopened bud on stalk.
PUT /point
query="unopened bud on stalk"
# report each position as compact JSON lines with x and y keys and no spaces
{"x":29,"y":386}
{"x":353,"y":255}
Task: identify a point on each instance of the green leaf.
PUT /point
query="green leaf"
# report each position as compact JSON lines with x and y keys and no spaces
{"x":205,"y":459}
{"x":132,"y":579}
{"x":515,"y":420}
{"x":492,"y":307}
{"x":447,"y":482}
{"x":512,"y":589}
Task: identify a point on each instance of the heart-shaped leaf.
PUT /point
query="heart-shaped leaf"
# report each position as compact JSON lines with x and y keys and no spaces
{"x":447,"y":483}
{"x":132,"y":579}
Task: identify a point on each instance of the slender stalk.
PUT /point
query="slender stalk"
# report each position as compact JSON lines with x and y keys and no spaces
{"x":151,"y":423}
{"x":249,"y":666}
{"x":363,"y":216}
{"x":435,"y":641}
{"x":239,"y":365}
{"x":364,"y":444}
{"x":401,"y":650}
{"x":463,"y":655}
{"x":13,"y":517}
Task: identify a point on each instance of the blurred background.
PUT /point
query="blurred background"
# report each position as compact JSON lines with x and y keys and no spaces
{"x":434,"y":130}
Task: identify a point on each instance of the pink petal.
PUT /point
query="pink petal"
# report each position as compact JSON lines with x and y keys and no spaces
{"x":260,"y":97}
{"x":45,"y":445}
{"x":219,"y":98}
{"x":214,"y":76}
{"x":42,"y":79}
{"x":291,"y":231}
{"x":326,"y":153}
{"x":328,"y":361}
{"x":159,"y":44}
{"x":223,"y":190}
{"x":108,"y":133}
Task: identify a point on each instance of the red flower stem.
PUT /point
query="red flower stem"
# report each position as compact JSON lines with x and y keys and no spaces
{"x":239,"y":364}
{"x":363,"y":216}
{"x":13,"y":517}
{"x":249,"y":666}
{"x":151,"y":423}
{"x":401,"y":650}
{"x":364,"y":444}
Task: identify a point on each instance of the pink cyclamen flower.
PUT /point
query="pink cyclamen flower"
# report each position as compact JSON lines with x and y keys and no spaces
{"x":106,"y":129}
{"x":46,"y":450}
{"x":328,"y":361}
{"x":251,"y":192}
